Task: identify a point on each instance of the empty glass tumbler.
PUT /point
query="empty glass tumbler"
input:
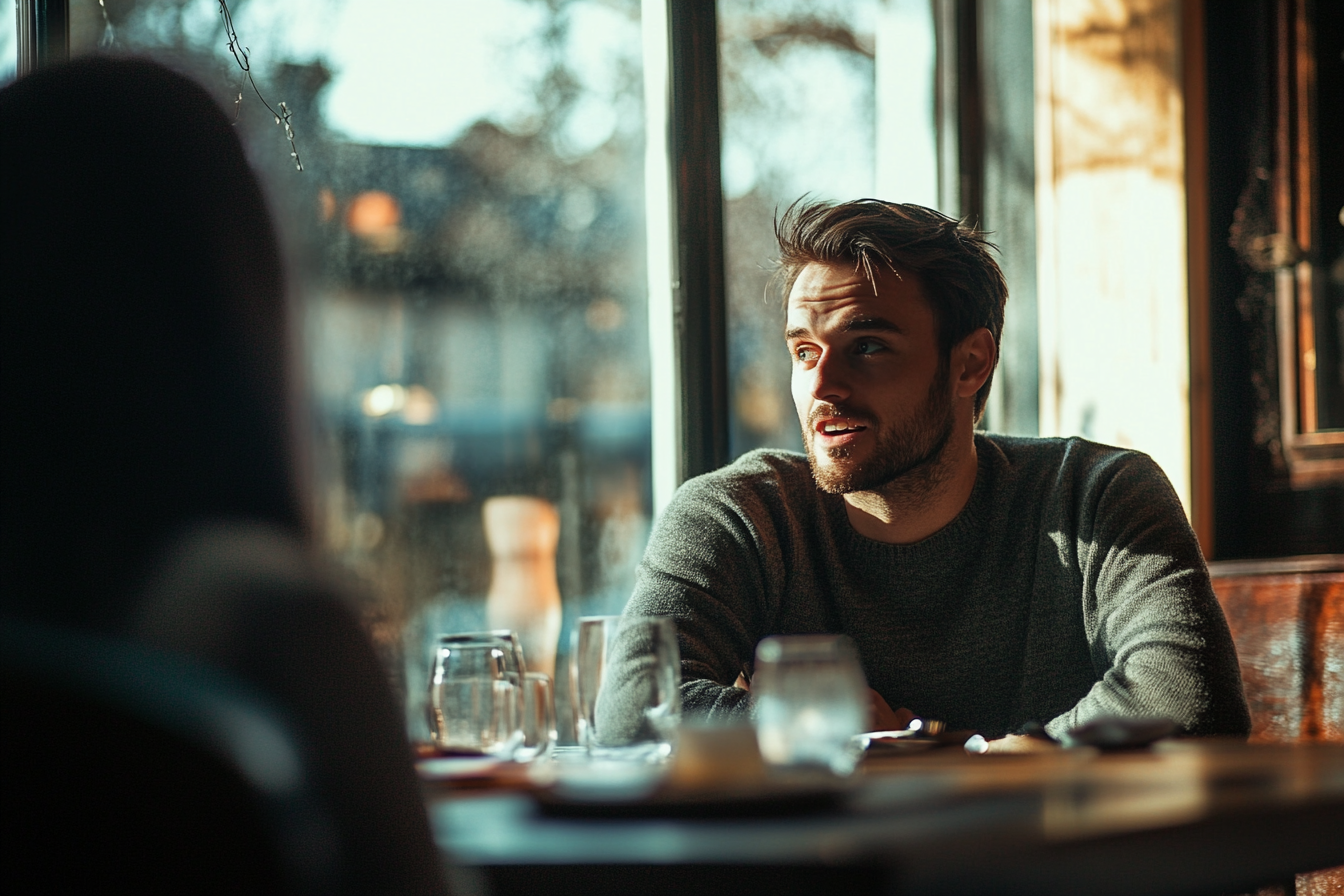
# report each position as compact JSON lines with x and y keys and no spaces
{"x":514,"y":663}
{"x":810,"y":698}
{"x":474,"y":701}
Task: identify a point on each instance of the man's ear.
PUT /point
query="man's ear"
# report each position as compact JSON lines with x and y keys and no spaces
{"x":973,"y":361}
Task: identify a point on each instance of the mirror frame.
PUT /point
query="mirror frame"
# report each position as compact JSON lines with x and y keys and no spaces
{"x":1314,"y":456}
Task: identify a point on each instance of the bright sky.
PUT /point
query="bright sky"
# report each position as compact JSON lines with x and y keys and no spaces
{"x":420,"y":71}
{"x":807,"y":126}
{"x":813,"y":131}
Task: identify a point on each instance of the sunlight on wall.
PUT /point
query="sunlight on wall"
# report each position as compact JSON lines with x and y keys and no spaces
{"x":1114,"y":346}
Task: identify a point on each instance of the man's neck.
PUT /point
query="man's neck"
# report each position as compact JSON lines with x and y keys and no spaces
{"x":918,"y":504}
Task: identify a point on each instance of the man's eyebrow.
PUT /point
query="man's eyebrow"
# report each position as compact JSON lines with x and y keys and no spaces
{"x":869,"y":323}
{"x":859,"y":324}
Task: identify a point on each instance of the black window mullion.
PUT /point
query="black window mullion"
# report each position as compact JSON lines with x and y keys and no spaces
{"x":699,"y":295}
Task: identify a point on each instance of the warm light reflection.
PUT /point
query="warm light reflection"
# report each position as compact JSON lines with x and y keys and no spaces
{"x":1114,"y":348}
{"x":375,"y":216}
{"x":421,"y":407}
{"x":383,"y":400}
{"x":417,"y":405}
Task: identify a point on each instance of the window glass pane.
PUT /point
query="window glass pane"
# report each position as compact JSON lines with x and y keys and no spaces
{"x":469,"y":235}
{"x":797,"y":98}
{"x":9,"y":44}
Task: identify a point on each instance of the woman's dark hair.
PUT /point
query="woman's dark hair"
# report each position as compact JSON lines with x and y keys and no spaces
{"x":952,"y":261}
{"x":144,"y":363}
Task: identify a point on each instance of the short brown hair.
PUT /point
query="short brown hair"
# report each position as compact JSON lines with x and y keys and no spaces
{"x":953,"y":261}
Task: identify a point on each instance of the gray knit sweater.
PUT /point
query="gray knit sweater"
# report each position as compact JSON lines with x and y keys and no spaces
{"x":1069,"y":587}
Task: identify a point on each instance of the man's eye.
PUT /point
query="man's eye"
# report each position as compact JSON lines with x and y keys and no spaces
{"x":867,"y":347}
{"x":805,"y":353}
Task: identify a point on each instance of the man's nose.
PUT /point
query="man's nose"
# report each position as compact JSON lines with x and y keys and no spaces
{"x":830,"y":380}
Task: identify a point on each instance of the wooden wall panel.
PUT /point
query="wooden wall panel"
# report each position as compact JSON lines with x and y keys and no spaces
{"x":1289,"y":632}
{"x":1330,"y":654}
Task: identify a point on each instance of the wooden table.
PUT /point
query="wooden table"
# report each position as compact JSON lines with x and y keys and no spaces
{"x":1184,"y":817}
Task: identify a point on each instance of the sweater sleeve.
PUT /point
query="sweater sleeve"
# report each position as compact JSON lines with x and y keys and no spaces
{"x":1158,"y":638}
{"x":704,"y":568}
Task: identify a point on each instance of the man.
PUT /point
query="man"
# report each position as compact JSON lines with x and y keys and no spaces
{"x":993,"y":583}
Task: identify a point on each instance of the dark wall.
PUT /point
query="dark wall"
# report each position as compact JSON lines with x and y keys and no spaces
{"x":1256,"y":513}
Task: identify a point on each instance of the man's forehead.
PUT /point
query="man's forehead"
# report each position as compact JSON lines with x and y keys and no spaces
{"x":817,"y":280}
{"x":831,"y":288}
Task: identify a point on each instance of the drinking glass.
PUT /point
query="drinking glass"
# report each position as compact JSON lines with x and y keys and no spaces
{"x":514,"y":665}
{"x":513,"y":662}
{"x":473,"y":701}
{"x":810,"y":698}
{"x":627,"y":684}
{"x":538,"y":703}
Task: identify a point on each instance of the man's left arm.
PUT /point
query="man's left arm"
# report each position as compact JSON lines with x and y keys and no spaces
{"x":1158,"y":637}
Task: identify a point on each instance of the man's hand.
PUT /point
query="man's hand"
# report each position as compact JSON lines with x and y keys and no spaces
{"x":882,"y":717}
{"x":1021,"y":743}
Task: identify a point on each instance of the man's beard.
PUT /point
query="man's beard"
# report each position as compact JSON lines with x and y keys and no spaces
{"x":910,"y":454}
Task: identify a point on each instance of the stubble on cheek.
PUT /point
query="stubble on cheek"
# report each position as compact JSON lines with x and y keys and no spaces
{"x":912,"y":451}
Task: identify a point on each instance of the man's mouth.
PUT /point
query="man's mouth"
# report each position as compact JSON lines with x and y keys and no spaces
{"x":839,"y":426}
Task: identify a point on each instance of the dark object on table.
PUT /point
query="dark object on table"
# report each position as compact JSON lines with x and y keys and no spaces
{"x":1117,"y":733}
{"x":1036,"y":731}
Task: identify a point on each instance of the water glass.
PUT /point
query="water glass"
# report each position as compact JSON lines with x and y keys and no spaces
{"x":473,"y":701}
{"x":538,"y":703}
{"x":809,"y":699}
{"x":626,"y":672}
{"x":513,"y":660}
{"x":507,"y":641}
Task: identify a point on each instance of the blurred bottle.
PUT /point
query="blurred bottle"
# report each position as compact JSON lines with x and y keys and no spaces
{"x":522,"y":533}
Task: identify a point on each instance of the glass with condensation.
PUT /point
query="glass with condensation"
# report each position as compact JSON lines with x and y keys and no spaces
{"x":809,"y":699}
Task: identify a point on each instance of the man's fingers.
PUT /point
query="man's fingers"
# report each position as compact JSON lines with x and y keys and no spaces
{"x":1021,"y":743}
{"x":881,"y":717}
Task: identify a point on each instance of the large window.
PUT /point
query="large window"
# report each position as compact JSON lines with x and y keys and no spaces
{"x":468,"y":235}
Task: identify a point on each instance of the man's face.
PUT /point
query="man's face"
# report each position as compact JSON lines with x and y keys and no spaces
{"x":868,"y":381}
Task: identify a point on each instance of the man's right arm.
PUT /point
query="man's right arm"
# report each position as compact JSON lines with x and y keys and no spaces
{"x":705,"y":568}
